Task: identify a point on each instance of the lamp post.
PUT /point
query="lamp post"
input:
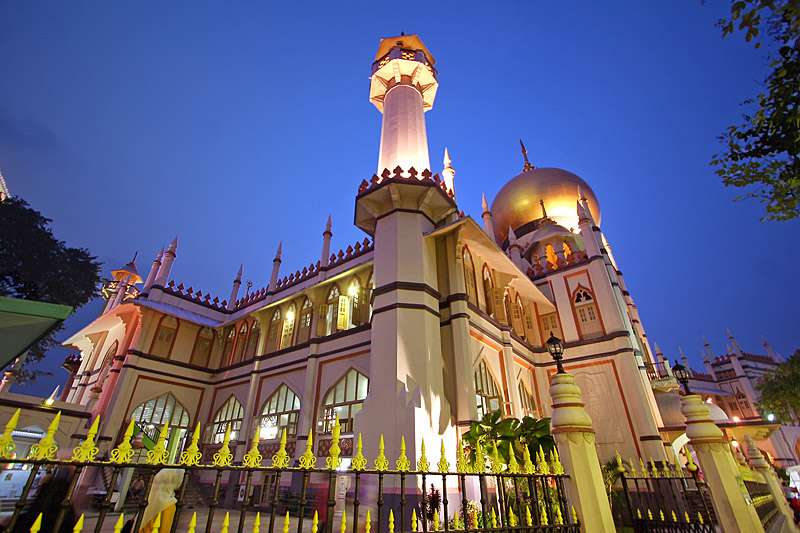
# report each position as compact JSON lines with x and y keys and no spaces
{"x":556,"y":349}
{"x":681,"y":373}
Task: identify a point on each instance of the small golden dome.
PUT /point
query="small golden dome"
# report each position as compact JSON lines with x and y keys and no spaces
{"x":519,"y":201}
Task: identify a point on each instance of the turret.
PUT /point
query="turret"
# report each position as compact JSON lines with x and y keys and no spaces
{"x":237,"y":282}
{"x":488,"y":223}
{"x":326,"y":243}
{"x":166,"y":263}
{"x":733,"y":345}
{"x":276,"y":267}
{"x":449,"y":173}
{"x":127,"y":275}
{"x":515,"y":251}
{"x":151,"y":276}
{"x":586,"y":227}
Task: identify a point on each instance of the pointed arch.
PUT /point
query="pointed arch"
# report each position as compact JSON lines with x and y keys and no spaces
{"x":344,"y":399}
{"x":203,"y":342}
{"x":274,"y":334}
{"x":469,"y":276}
{"x":526,"y":399}
{"x":587,"y":315}
{"x":228,"y":340}
{"x":280,"y":411}
{"x":241,"y":340}
{"x":152,"y":414}
{"x":487,"y":392}
{"x":331,"y":311}
{"x":488,"y":290}
{"x":231,"y":412}
{"x":164,"y":339}
{"x":356,"y":295}
{"x":304,"y":322}
{"x":252,"y":340}
{"x":287,"y":332}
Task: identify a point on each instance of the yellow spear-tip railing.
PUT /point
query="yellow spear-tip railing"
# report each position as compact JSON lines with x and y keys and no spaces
{"x":280,"y":459}
{"x":308,"y":460}
{"x":87,"y":450}
{"x":192,"y":455}
{"x":7,"y":446}
{"x":333,"y":460}
{"x":223,"y":457}
{"x":46,"y":448}
{"x":444,"y":465}
{"x":159,"y":454}
{"x":359,"y":461}
{"x":123,"y":453}
{"x":381,"y":462}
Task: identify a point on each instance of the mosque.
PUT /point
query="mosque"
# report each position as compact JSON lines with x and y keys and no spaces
{"x":430,"y":322}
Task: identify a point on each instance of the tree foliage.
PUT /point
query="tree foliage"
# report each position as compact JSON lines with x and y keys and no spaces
{"x":510,"y":433}
{"x":34,"y":265}
{"x":778,"y":389}
{"x":762,"y":154}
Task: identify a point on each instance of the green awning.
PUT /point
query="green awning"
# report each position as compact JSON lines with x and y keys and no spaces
{"x":24,"y":322}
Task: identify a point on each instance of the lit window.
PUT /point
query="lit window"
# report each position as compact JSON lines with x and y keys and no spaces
{"x":202,"y":347}
{"x":344,"y":399}
{"x":288,"y":327}
{"x":588,"y":319}
{"x":229,"y":336}
{"x":331,"y":311}
{"x":304,"y":322}
{"x":252,"y":340}
{"x":165,"y":336}
{"x":549,"y":324}
{"x":151,"y":415}
{"x":487,"y":396}
{"x":280,"y":411}
{"x":231,"y":413}
{"x":469,"y":277}
{"x":356,"y":295}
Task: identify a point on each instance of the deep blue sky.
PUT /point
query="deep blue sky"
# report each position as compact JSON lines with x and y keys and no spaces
{"x":237,"y":124}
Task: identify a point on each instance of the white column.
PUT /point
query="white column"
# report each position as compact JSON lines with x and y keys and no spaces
{"x":404,"y":141}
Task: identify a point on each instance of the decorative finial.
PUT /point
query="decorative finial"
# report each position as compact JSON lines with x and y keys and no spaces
{"x":239,"y":274}
{"x":279,"y":251}
{"x":544,"y":211}
{"x":484,"y":203}
{"x":527,"y":164}
{"x":173,"y":245}
{"x":447,"y":162}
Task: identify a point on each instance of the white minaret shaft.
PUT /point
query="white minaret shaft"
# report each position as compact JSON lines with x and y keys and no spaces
{"x":403,"y":86}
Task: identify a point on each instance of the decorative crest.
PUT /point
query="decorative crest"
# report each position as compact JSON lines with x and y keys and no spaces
{"x":444,"y":465}
{"x":87,"y":450}
{"x":542,"y":467}
{"x":279,"y":460}
{"x":493,"y":516}
{"x":479,"y":465}
{"x":618,"y":458}
{"x":159,"y":455}
{"x":252,"y":457}
{"x":308,"y":460}
{"x":223,"y":457}
{"x":391,"y":521}
{"x":333,"y":460}
{"x":513,"y":465}
{"x":528,"y":517}
{"x":381,"y":462}
{"x":495,"y":463}
{"x":462,"y":465}
{"x":192,"y":455}
{"x":527,"y":464}
{"x":512,"y":518}
{"x":543,"y":516}
{"x":402,"y":464}
{"x":123,"y":453}
{"x":559,"y":518}
{"x":7,"y":446}
{"x":45,"y":449}
{"x":422,"y":464}
{"x":359,"y":461}
{"x":555,"y":462}
{"x":436,"y":519}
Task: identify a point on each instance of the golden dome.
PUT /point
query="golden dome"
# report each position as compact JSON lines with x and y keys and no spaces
{"x":518,"y":202}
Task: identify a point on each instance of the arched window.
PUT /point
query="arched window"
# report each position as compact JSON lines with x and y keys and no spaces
{"x":508,"y":308}
{"x":280,"y":411}
{"x":228,"y":336}
{"x":526,"y":398}
{"x":549,"y":325}
{"x":488,"y":290}
{"x":518,"y":317}
{"x":105,"y":367}
{"x":588,"y":318}
{"x":274,"y":335}
{"x":165,"y":336}
{"x":252,"y":340}
{"x":231,"y":413}
{"x":356,"y":295}
{"x":288,"y":327}
{"x":241,"y":339}
{"x":469,"y":276}
{"x":202,"y":347}
{"x":552,"y":258}
{"x":151,"y":415}
{"x":344,"y":399}
{"x":331,"y":311}
{"x":487,"y":395}
{"x":304,"y":322}
{"x":370,"y":288}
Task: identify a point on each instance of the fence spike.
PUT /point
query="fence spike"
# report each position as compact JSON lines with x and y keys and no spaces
{"x":359,"y":462}
{"x":391,"y":521}
{"x":333,"y":461}
{"x":512,"y":518}
{"x":413,"y":519}
{"x":279,"y":460}
{"x":37,"y":524}
{"x":7,"y":446}
{"x":45,"y":449}
{"x":493,"y":516}
{"x":436,"y":519}
{"x":674,"y":516}
{"x":315,"y":522}
{"x":123,"y":453}
{"x":620,"y":466}
{"x":513,"y":465}
{"x":192,"y":455}
{"x":528,"y":517}
{"x":119,"y":523}
{"x":686,"y":517}
{"x":367,"y":522}
{"x":257,"y":524}
{"x":649,"y":514}
{"x":638,"y":513}
{"x":381,"y":462}
{"x":653,"y":467}
{"x":642,"y":468}
{"x":479,"y":465}
{"x":690,"y":466}
{"x":308,"y":460}
{"x":402,"y":464}
{"x":527,"y":464}
{"x":574,"y":515}
{"x":700,"y":518}
{"x":559,"y":518}
{"x":192,"y":523}
{"x":252,"y":457}
{"x":555,"y":461}
{"x":79,"y":525}
{"x":462,"y":466}
{"x":661,"y":514}
{"x":286,"y":522}
{"x":86,"y":450}
{"x":158,"y":455}
{"x":543,"y":516}
{"x":541,"y":464}
{"x":223,"y":457}
{"x":632,"y":467}
{"x":422,"y":464}
{"x":444,"y":465}
{"x":495,"y":463}
{"x":226,"y":522}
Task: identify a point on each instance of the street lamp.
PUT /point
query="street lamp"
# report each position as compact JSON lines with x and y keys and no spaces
{"x":681,"y":373}
{"x":556,"y":349}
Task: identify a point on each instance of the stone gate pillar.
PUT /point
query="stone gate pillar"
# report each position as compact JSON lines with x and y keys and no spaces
{"x":734,"y":513}
{"x":757,"y":461}
{"x":574,"y":436}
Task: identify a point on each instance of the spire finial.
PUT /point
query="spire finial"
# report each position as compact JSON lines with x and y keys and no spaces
{"x":329,"y":224}
{"x":279,"y":251}
{"x":544,"y":211}
{"x":447,"y":162}
{"x":527,"y":164}
{"x":484,"y":203}
{"x":240,"y":272}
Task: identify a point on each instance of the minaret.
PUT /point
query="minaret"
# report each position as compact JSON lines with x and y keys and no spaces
{"x":4,"y":192}
{"x":488,"y":221}
{"x":685,"y":360}
{"x":449,"y":173}
{"x":127,"y":275}
{"x":403,"y":87}
{"x":324,"y":258}
{"x":733,"y":344}
{"x":166,"y":263}
{"x":515,"y":251}
{"x":771,"y":353}
{"x":151,"y":276}
{"x":276,"y":267}
{"x":237,"y":282}
{"x":586,"y":228}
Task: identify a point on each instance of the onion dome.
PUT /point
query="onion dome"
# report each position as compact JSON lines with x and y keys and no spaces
{"x":128,"y":270}
{"x":522,"y":200}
